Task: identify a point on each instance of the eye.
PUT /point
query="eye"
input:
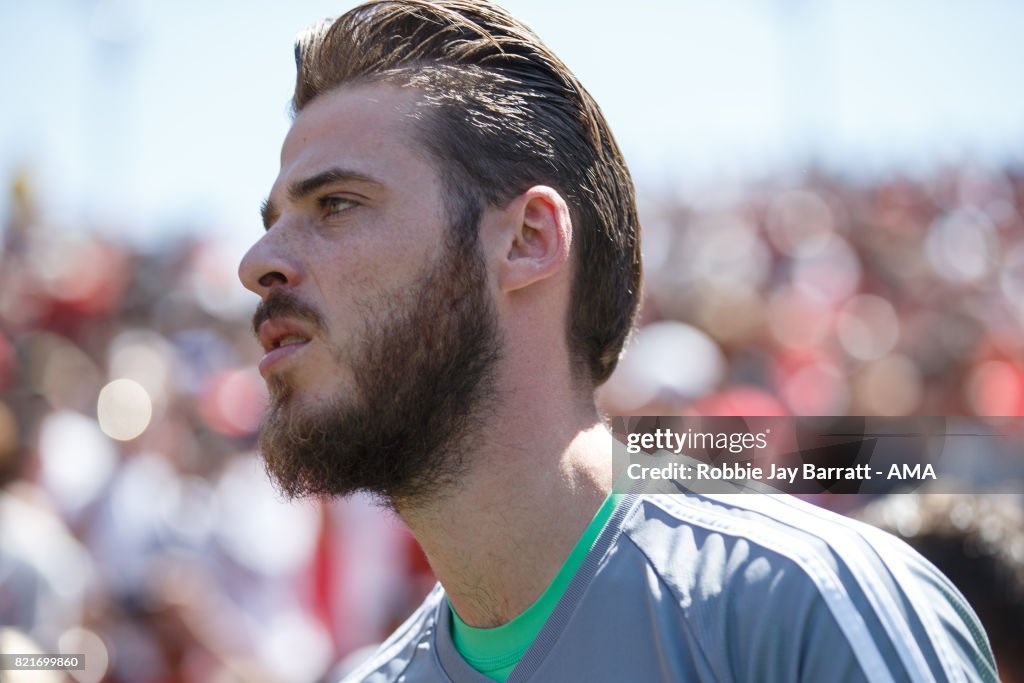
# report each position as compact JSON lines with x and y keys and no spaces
{"x":334,"y":204}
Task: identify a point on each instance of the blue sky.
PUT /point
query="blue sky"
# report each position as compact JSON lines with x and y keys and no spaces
{"x":143,"y":117}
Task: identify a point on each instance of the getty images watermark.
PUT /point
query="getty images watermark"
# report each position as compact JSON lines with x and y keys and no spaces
{"x":819,"y":454}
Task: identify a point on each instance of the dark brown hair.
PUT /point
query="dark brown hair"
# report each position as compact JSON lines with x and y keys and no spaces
{"x":504,"y":113}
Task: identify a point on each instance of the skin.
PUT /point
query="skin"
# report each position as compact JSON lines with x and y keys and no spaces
{"x":540,"y":464}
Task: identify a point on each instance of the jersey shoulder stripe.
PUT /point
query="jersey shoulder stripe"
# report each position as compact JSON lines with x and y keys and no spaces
{"x":900,"y":617}
{"x":702,"y":511}
{"x":913,"y":575}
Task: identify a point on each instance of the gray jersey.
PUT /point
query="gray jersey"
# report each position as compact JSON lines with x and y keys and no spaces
{"x":730,"y":587}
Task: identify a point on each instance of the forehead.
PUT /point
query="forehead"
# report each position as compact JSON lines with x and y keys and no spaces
{"x":366,"y":128}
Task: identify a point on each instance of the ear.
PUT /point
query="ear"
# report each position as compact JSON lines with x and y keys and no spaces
{"x":538,"y":235}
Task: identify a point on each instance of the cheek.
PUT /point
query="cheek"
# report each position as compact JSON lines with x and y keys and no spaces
{"x":341,"y":270}
{"x":373,"y":261}
{"x":351,"y":293}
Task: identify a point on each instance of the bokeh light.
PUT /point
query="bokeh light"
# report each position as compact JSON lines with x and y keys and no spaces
{"x":888,"y":386}
{"x":961,"y":246}
{"x":829,"y":269}
{"x":868,"y":327}
{"x":797,"y":318}
{"x":260,"y":531}
{"x":817,"y":387}
{"x":87,"y":643}
{"x":123,"y":409}
{"x":725,"y":249}
{"x":234,"y":400}
{"x":296,"y":648}
{"x":145,"y":357}
{"x":996,"y":388}
{"x":666,"y":358}
{"x":76,"y":457}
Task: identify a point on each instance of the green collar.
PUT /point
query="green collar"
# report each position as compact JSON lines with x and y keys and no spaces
{"x":494,"y":652}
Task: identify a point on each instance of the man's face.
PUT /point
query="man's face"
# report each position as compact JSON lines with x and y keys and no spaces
{"x":380,"y":334}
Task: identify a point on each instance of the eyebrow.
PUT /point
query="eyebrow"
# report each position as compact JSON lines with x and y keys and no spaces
{"x":301,"y":189}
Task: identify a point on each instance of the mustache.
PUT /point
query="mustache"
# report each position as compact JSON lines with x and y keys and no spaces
{"x":280,"y":303}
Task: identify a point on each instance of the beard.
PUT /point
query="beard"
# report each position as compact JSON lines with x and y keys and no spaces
{"x":423,"y":376}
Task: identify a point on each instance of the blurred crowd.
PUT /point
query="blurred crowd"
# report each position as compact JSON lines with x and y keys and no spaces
{"x":137,"y":525}
{"x":825,"y":297}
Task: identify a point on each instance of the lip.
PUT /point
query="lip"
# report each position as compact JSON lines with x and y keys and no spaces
{"x":271,"y":333}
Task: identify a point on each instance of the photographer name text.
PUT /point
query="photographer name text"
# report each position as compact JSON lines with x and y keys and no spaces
{"x":777,"y":473}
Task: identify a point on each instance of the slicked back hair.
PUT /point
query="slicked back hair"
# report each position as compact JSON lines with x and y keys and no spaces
{"x":503,"y":114}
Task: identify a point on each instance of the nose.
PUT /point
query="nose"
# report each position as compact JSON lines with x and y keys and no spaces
{"x":268,"y":264}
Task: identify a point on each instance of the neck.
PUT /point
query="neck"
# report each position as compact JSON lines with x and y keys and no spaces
{"x":498,"y":540}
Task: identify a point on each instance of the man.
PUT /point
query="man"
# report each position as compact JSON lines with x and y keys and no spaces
{"x":450,"y":268}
